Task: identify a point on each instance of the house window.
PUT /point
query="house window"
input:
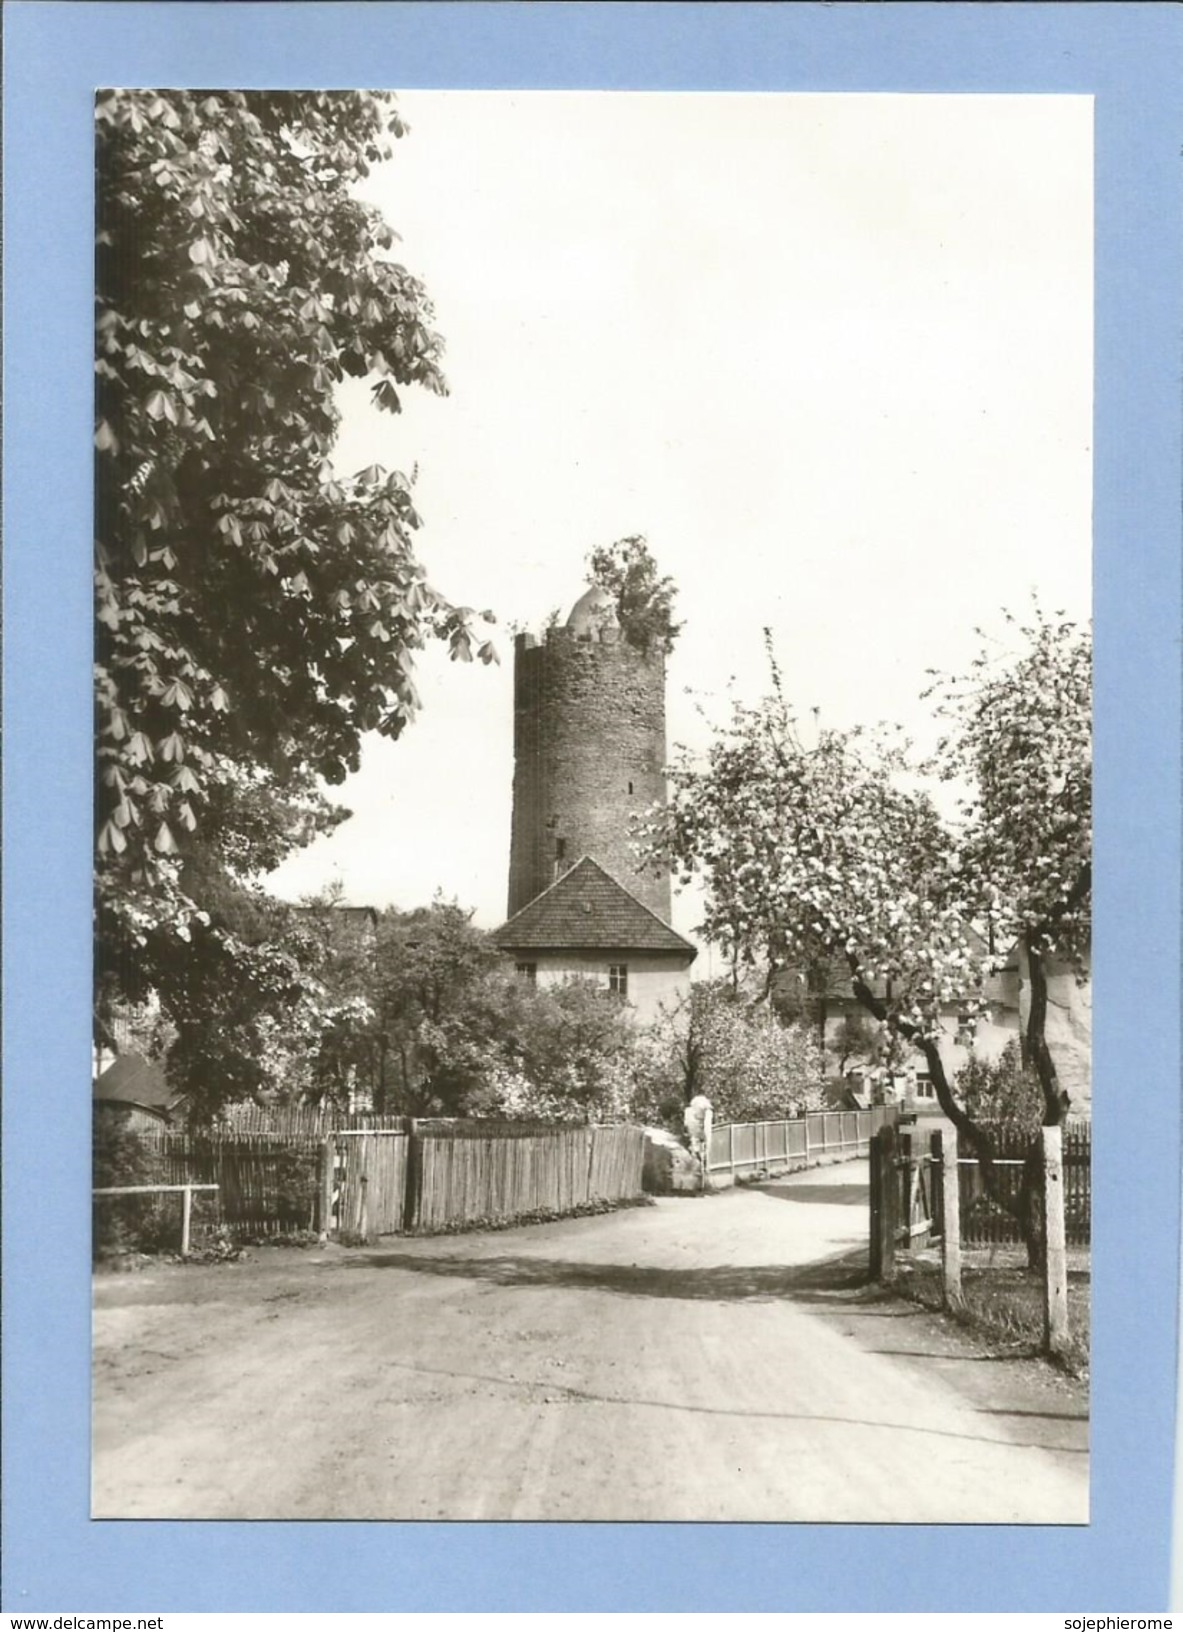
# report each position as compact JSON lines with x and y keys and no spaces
{"x":618,"y":979}
{"x":528,"y":971}
{"x":630,"y":787}
{"x":966,"y":1028}
{"x":924,"y":1087}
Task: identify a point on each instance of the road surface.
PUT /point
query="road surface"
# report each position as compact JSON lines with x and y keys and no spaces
{"x":698,"y":1359}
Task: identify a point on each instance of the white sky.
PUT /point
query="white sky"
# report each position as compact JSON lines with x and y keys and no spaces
{"x":831,"y":354}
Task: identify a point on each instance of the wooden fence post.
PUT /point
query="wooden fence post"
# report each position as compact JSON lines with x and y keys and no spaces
{"x":1055,"y":1290}
{"x":186,"y":1216}
{"x":328,"y":1160}
{"x":945,"y":1147}
{"x":888,"y":1201}
{"x":876,"y":1235}
{"x":936,"y":1191}
{"x":902,"y":1191}
{"x":891,"y":1202}
{"x":414,"y":1183}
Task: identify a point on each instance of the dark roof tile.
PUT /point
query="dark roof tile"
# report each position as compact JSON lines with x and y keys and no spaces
{"x":133,"y":1080}
{"x":587,"y":910}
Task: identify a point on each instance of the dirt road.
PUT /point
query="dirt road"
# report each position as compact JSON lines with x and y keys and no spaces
{"x":695,"y":1360}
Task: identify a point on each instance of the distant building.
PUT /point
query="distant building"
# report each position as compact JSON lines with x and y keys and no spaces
{"x":827,"y":1002}
{"x":349,"y":928}
{"x":1068,"y":1026}
{"x":129,"y":1029}
{"x":589,"y":758}
{"x":135,"y":1089}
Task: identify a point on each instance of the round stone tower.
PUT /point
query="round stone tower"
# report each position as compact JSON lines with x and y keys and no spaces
{"x":589,"y":753}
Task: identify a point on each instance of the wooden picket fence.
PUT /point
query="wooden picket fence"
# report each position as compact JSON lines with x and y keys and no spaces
{"x":917,"y":1199}
{"x":364,"y":1183}
{"x":267,"y":1182}
{"x":313,"y":1120}
{"x":461,"y":1175}
{"x":985,"y":1223}
{"x":359,"y":1183}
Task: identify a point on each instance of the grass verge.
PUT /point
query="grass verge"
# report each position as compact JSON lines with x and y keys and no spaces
{"x":1003,"y":1302}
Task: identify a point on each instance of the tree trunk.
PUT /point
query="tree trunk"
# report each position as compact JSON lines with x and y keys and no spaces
{"x":1055,"y":1100}
{"x":381,"y":1101}
{"x":1032,"y":1209}
{"x":977,"y":1139}
{"x":1055,"y":1107}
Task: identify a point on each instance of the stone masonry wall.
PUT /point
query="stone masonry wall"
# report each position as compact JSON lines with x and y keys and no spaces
{"x":589,"y":754}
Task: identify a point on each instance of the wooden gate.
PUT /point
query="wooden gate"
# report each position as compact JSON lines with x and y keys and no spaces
{"x":369,"y":1183}
{"x":920,"y":1193}
{"x":907,"y":1196}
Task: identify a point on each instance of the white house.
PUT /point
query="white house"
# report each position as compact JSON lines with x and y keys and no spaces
{"x":586,"y":925}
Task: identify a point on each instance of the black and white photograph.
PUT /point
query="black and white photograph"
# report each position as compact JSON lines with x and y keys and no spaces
{"x":593,"y":806}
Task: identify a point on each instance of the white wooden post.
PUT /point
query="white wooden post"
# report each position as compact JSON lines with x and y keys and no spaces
{"x":1055,"y":1287}
{"x":951,"y":1199}
{"x":186,"y":1215}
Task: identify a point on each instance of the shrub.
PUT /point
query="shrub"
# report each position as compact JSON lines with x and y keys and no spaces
{"x":1001,"y":1091}
{"x":126,"y":1223}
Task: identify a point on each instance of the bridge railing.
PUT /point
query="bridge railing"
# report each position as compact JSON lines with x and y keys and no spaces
{"x":744,"y":1148}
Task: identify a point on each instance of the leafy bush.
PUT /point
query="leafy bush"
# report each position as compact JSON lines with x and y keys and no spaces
{"x":1001,"y":1091}
{"x":750,"y":1066}
{"x":120,"y":1157}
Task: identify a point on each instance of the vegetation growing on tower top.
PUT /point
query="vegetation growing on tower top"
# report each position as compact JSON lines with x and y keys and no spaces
{"x":644,"y":601}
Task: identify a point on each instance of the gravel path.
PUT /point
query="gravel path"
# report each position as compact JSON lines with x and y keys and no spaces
{"x":699,"y":1359}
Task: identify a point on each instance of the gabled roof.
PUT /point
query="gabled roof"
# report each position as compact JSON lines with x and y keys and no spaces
{"x":337,"y":913}
{"x":130,"y":1079}
{"x":587,"y":910}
